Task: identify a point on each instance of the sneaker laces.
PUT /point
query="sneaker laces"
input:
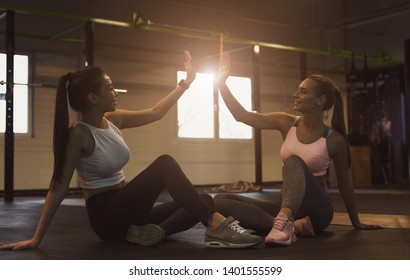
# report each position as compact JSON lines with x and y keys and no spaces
{"x":236,"y":227}
{"x":280,"y":223}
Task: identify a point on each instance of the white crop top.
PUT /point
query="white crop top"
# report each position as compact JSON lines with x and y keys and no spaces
{"x":104,"y":167}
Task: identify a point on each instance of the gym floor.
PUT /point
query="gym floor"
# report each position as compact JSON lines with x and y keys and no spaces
{"x":70,"y":236}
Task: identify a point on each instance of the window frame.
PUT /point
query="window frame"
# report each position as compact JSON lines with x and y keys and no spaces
{"x":29,"y":100}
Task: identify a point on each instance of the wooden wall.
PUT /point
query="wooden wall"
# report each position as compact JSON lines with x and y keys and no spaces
{"x":204,"y":161}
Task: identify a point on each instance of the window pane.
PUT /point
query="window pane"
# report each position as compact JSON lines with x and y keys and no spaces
{"x":20,"y":94}
{"x":229,"y":128}
{"x":21,"y":69}
{"x":2,"y":92}
{"x":20,"y":109}
{"x":196,"y":108}
{"x":2,"y":74}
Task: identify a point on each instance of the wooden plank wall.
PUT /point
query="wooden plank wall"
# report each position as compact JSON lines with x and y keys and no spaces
{"x":204,"y":161}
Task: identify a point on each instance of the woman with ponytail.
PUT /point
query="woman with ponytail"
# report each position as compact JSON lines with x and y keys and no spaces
{"x":303,"y":207}
{"x":121,"y":210}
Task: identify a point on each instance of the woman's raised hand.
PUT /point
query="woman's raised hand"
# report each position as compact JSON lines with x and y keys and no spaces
{"x":189,"y":68}
{"x":224,"y":68}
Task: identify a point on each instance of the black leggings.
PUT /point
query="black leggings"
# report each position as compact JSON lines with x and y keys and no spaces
{"x":112,"y":212}
{"x":301,"y":192}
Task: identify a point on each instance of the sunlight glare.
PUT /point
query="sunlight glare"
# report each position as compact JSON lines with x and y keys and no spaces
{"x":195,"y":108}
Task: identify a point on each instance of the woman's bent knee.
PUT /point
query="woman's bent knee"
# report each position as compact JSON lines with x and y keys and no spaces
{"x":165,"y":158}
{"x":292,"y":164}
{"x":208,"y":199}
{"x":293,"y":161}
{"x":166,"y":161}
{"x":220,"y":198}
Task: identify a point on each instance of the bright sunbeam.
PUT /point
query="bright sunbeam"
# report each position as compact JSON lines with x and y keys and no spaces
{"x":196,"y":109}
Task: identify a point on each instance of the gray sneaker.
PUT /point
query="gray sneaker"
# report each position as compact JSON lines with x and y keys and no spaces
{"x":229,"y":234}
{"x":145,"y":235}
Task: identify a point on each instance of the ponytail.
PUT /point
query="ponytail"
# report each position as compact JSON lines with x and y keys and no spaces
{"x":72,"y":90}
{"x":338,"y":121}
{"x":326,"y":87}
{"x":61,"y":122}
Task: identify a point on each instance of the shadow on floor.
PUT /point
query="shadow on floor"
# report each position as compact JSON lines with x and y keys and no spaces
{"x":70,"y":237}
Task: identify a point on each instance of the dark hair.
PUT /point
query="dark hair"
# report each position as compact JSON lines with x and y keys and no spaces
{"x":327,"y":87}
{"x":76,"y":86}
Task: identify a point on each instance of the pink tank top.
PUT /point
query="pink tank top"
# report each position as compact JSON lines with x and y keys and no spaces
{"x":315,"y":155}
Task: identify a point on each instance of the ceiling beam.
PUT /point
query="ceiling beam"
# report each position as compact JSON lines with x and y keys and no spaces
{"x":144,"y":24}
{"x":377,"y":16}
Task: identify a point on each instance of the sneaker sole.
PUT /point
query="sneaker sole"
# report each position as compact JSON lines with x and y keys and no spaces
{"x":288,"y":242}
{"x":223,"y":244}
{"x":146,"y":235}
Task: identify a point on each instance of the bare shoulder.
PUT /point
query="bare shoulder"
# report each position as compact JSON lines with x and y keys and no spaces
{"x":80,"y":137}
{"x":285,"y":118}
{"x":336,"y":144}
{"x":116,"y":117}
{"x":281,"y":118}
{"x":78,"y":130}
{"x":284,"y":121}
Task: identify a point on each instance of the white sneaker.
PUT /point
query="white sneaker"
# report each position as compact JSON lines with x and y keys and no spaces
{"x":282,"y":232}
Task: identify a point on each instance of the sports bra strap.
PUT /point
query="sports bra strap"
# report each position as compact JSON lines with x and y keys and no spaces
{"x":326,"y":132}
{"x":297,"y":121}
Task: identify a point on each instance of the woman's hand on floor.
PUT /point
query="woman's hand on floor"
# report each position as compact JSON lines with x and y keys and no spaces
{"x":370,"y":227}
{"x":28,"y":244}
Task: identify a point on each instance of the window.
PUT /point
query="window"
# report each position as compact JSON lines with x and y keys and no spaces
{"x":196,"y":108}
{"x":229,"y":128}
{"x":197,"y":114}
{"x":20,"y":93}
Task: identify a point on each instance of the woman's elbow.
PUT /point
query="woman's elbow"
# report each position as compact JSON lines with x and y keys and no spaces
{"x":157,"y":114}
{"x":242,"y":117}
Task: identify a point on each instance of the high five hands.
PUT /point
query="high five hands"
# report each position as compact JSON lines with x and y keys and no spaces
{"x":189,"y":68}
{"x":224,"y":68}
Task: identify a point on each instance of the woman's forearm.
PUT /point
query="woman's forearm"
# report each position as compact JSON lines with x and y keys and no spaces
{"x":52,"y":202}
{"x":237,"y":110}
